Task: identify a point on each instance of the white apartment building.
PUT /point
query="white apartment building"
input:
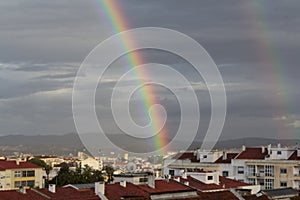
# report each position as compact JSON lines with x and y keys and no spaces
{"x":270,"y":167}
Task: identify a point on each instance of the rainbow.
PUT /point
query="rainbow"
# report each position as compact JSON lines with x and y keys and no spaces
{"x":117,"y":21}
{"x":268,"y":55}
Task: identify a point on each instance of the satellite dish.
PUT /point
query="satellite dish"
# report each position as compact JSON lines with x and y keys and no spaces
{"x":131,"y":167}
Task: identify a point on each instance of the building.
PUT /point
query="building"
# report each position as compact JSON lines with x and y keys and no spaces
{"x":211,"y":182}
{"x":67,"y":193}
{"x":16,"y":173}
{"x":276,"y":194}
{"x":254,"y":165}
{"x":85,"y":159}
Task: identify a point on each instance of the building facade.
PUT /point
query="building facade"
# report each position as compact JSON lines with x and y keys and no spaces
{"x":270,"y":167}
{"x":14,"y":174}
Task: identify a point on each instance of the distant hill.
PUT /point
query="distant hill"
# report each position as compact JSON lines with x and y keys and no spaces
{"x":71,"y":144}
{"x":41,"y":144}
{"x":255,"y":141}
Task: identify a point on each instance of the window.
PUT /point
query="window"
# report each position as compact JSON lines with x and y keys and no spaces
{"x":251,"y":181}
{"x":30,"y":183}
{"x":278,"y":152}
{"x":17,"y":184}
{"x":23,"y":183}
{"x":24,"y":174}
{"x":30,"y":173}
{"x":283,"y":184}
{"x":205,"y":156}
{"x":283,"y":171}
{"x":269,"y":184}
{"x":225,"y":173}
{"x":240,"y":170}
{"x":171,"y":172}
{"x":251,"y":170}
{"x":210,"y":178}
{"x":269,"y":170}
{"x":17,"y":174}
{"x":143,"y":180}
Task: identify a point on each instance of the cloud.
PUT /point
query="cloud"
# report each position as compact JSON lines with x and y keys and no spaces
{"x":44,"y":42}
{"x":295,"y":124}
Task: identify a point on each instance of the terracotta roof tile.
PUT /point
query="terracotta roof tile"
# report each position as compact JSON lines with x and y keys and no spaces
{"x":186,"y":156}
{"x":14,"y":195}
{"x":254,"y":197}
{"x":294,"y":156}
{"x":254,"y":153}
{"x":116,"y":191}
{"x":220,"y":195}
{"x":230,"y":156}
{"x":13,"y":165}
{"x":163,"y":186}
{"x":224,"y":183}
{"x":61,"y":194}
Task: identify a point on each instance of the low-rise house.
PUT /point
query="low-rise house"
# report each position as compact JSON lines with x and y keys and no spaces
{"x":16,"y":173}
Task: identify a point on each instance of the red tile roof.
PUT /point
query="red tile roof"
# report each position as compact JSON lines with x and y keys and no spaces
{"x":71,"y":193}
{"x":231,"y":183}
{"x":224,"y":183}
{"x":220,"y":195}
{"x":294,"y":156}
{"x":116,"y":191}
{"x":13,"y":165}
{"x":199,"y":185}
{"x":254,"y":153}
{"x":230,"y":156}
{"x":163,"y":186}
{"x":254,"y":197}
{"x":186,"y":156}
{"x":44,"y":194}
{"x":14,"y":195}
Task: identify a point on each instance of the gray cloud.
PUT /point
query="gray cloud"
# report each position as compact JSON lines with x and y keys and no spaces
{"x":256,"y":46}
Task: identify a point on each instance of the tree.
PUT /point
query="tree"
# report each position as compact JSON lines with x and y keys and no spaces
{"x":110,"y":172}
{"x":79,"y":176}
{"x":38,"y":162}
{"x":46,"y":167}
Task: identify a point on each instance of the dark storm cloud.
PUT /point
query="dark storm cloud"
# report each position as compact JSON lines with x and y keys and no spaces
{"x":255,"y":44}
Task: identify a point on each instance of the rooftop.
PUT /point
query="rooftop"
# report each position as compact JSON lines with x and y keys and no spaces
{"x":13,"y":165}
{"x":116,"y":191}
{"x":43,"y":194}
{"x":230,"y":156}
{"x":294,"y":156}
{"x":186,"y":156}
{"x":163,"y":186}
{"x":224,"y":183}
{"x":253,"y":153}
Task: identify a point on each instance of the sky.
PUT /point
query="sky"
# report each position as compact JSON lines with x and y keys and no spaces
{"x":255,"y":44}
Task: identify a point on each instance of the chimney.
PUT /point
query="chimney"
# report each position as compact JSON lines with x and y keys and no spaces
{"x":168,"y":177}
{"x":99,"y":188}
{"x":262,"y":149}
{"x":224,"y":155}
{"x":184,"y":175}
{"x":279,"y":145}
{"x":123,"y":183}
{"x":52,"y":188}
{"x":244,"y":148}
{"x":18,"y":161}
{"x":151,"y":181}
{"x":22,"y":190}
{"x":269,"y":148}
{"x":186,"y":183}
{"x":177,"y":179}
